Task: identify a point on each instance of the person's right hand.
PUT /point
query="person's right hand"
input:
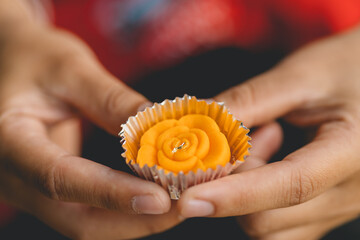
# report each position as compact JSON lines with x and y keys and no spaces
{"x":315,"y":188}
{"x":48,"y":77}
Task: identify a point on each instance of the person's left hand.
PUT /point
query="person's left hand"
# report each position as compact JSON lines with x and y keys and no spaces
{"x":49,"y":78}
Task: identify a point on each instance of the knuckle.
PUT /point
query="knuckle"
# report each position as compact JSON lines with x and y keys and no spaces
{"x":110,"y":197}
{"x":45,"y":183}
{"x":245,"y":94}
{"x":71,"y":44}
{"x":72,"y":64}
{"x":50,"y":182}
{"x":302,"y":188}
{"x":111,"y":201}
{"x":112,"y":98}
{"x":76,"y":62}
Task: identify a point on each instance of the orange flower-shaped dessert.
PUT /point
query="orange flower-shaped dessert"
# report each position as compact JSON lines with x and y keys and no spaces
{"x":193,"y":142}
{"x":184,"y":142}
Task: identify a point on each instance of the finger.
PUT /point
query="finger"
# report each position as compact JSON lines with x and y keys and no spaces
{"x":80,"y":221}
{"x":271,"y":95}
{"x":132,"y":226}
{"x":312,"y":231}
{"x":299,"y":177}
{"x":265,"y":142}
{"x":96,"y":93}
{"x":341,"y":200}
{"x":60,"y":176}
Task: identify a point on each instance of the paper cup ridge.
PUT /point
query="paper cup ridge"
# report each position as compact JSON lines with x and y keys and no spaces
{"x":235,"y":132}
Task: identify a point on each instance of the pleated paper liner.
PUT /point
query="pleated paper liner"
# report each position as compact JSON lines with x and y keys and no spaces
{"x":176,"y":183}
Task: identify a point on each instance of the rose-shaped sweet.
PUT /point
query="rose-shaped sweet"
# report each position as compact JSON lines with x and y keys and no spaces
{"x":193,"y":142}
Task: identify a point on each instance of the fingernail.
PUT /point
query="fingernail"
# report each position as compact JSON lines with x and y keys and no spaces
{"x":197,"y":208}
{"x":147,"y":204}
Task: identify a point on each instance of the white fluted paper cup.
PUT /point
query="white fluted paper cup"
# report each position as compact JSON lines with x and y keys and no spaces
{"x":177,"y":181}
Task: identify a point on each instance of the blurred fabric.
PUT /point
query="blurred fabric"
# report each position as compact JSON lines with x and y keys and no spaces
{"x":134,"y":37}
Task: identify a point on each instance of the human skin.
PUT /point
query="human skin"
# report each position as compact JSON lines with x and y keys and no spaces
{"x":315,"y":188}
{"x":49,"y":79}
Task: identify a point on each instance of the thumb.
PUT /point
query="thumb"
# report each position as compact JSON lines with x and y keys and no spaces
{"x":269,"y":95}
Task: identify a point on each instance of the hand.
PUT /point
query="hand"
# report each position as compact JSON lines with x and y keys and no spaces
{"x":48,"y":79}
{"x":315,"y":188}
